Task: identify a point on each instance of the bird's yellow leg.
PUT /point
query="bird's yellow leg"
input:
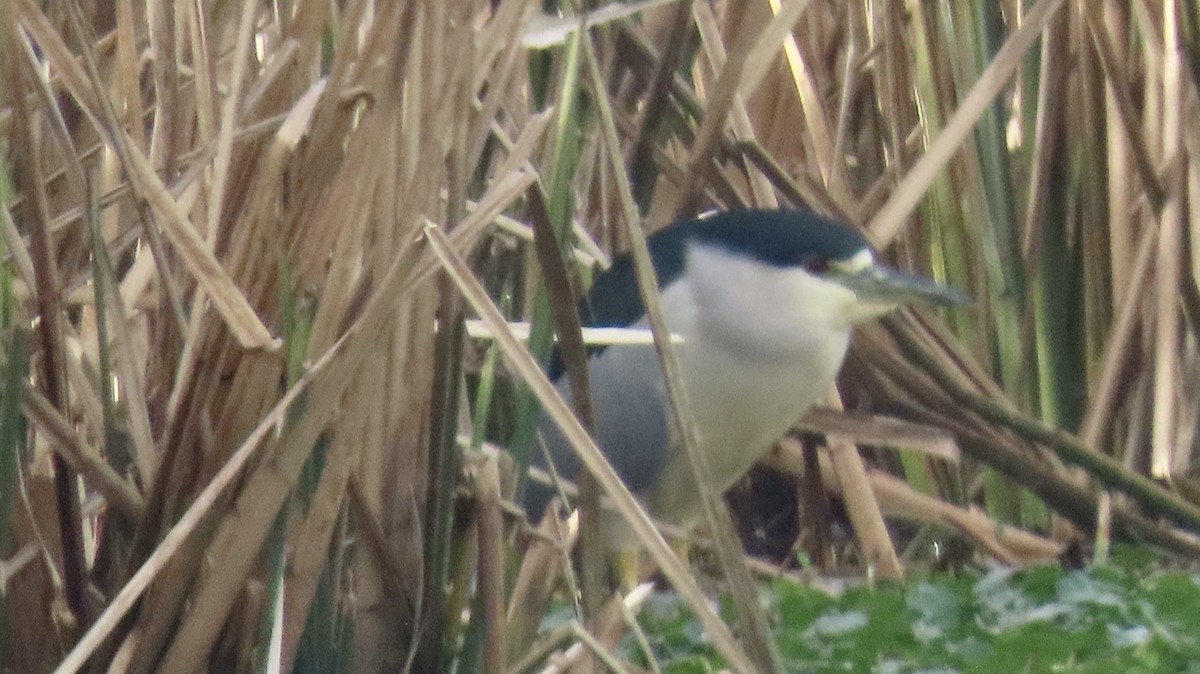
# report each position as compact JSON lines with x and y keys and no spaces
{"x":625,"y":564}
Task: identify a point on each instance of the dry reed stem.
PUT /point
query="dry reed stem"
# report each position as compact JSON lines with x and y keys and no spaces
{"x":897,"y":499}
{"x":862,"y":507}
{"x":882,"y":431}
{"x":887,"y":223}
{"x":179,"y":533}
{"x":320,"y":141}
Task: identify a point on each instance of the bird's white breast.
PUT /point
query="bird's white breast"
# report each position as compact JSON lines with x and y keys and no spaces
{"x":761,"y":345}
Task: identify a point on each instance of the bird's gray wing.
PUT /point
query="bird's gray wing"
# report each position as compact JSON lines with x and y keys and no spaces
{"x":632,"y":423}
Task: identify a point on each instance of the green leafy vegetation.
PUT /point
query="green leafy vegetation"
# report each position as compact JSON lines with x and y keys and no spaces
{"x":1123,"y":618}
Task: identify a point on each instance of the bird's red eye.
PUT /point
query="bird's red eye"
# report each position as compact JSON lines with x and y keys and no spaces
{"x":816,"y":265}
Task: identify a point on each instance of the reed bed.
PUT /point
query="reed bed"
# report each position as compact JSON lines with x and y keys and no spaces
{"x":244,"y":426}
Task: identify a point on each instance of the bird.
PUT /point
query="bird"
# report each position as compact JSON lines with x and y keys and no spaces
{"x":763,"y":303}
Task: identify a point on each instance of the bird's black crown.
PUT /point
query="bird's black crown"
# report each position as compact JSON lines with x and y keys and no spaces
{"x":780,"y":238}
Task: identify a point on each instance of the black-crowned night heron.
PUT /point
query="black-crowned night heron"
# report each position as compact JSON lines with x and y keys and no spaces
{"x":764,"y":301}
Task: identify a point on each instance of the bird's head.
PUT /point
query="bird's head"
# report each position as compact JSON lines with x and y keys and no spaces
{"x":765,"y":281}
{"x":780,"y":280}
